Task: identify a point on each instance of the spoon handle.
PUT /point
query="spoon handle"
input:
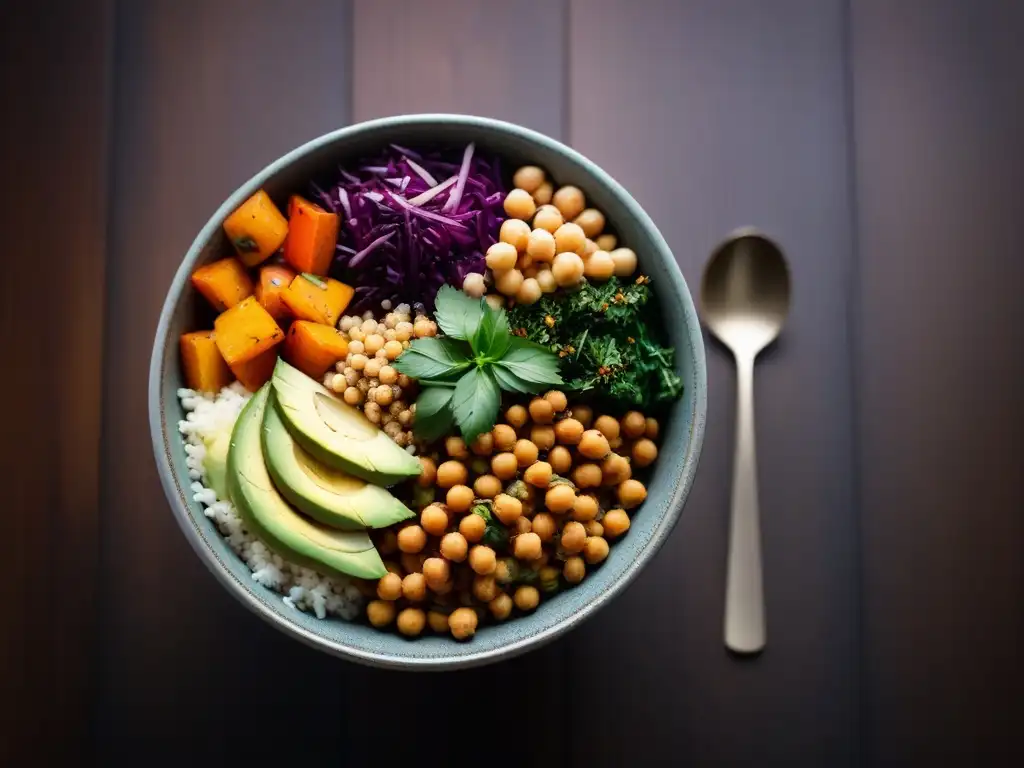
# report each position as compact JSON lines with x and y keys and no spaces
{"x":744,"y":596}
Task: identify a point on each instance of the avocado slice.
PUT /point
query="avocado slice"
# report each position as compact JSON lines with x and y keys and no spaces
{"x":216,"y":463}
{"x":325,"y":494}
{"x":280,"y":527}
{"x":337,"y":434}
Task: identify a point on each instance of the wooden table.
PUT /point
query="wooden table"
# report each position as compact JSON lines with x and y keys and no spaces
{"x":878,"y":142}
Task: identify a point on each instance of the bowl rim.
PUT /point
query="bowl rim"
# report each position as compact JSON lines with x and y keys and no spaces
{"x":161,"y":434}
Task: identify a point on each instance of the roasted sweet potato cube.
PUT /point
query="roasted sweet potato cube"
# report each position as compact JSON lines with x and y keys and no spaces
{"x":245,"y":331}
{"x":224,"y":283}
{"x":256,"y":229}
{"x":253,"y":374}
{"x":205,"y":369}
{"x":317,"y":299}
{"x":274,"y":280}
{"x":314,"y":348}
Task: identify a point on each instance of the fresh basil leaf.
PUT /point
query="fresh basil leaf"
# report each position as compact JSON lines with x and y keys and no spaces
{"x":492,"y":337}
{"x":531,"y":362}
{"x":475,"y":403}
{"x":508,"y":381}
{"x":457,"y":314}
{"x":434,"y":416}
{"x":433,"y":358}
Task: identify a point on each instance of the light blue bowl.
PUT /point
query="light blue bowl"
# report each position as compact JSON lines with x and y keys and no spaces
{"x":681,"y":439}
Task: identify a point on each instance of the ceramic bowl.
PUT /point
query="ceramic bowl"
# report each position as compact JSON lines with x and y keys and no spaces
{"x":681,"y":437}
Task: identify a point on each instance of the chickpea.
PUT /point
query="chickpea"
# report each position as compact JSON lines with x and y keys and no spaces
{"x":443,"y":588}
{"x":606,"y":242}
{"x":593,"y":445}
{"x":358,"y":362}
{"x":543,"y":526}
{"x":593,"y":528}
{"x":437,"y":621}
{"x":505,"y":466}
{"x":543,"y":194}
{"x":574,"y":570}
{"x":500,"y":607}
{"x":352,"y":396}
{"x":403,"y":331}
{"x":559,"y":498}
{"x":516,"y":233}
{"x":519,"y":204}
{"x":569,"y":431}
{"x":590,"y":247}
{"x":462,"y":623}
{"x":557,"y":399}
{"x":372,"y":368}
{"x":436,"y":571}
{"x":560,"y":459}
{"x":472,"y":527}
{"x":529,"y":291}
{"x":506,"y":570}
{"x":433,"y":519}
{"x":540,"y":246}
{"x":644,"y":452}
{"x":383,"y":396}
{"x":502,"y":256}
{"x":356,"y":334}
{"x":538,"y":474}
{"x":525,"y":452}
{"x":472,"y":285}
{"x":495,"y":301}
{"x":380,"y":613}
{"x":570,"y":201}
{"x":389,"y":587}
{"x":584,"y":414}
{"x":509,"y":282}
{"x":543,"y":436}
{"x":527,"y":546}
{"x":595,"y":549}
{"x":487,"y":486}
{"x":569,"y":238}
{"x":573,"y":536}
{"x":412,"y":538}
{"x":526,"y":598}
{"x":503,"y":437}
{"x":599,"y":266}
{"x":413,"y":562}
{"x":372,"y":410}
{"x":356,"y":348}
{"x":454,"y":546}
{"x":615,"y":469}
{"x":388,"y":543}
{"x":523,"y":525}
{"x":651,"y":429}
{"x":374,"y":343}
{"x":388,"y":375}
{"x":482,"y":559}
{"x":459,"y":498}
{"x":631,"y":493}
{"x":615,"y":522}
{"x":456,"y":447}
{"x":516,"y":416}
{"x":591,"y":221}
{"x":624,"y":260}
{"x":567,"y":269}
{"x":587,"y":476}
{"x":546,"y":281}
{"x":485,"y":588}
{"x":452,"y":473}
{"x":424,"y":328}
{"x":529,"y":177}
{"x":507,"y":508}
{"x":541,"y":411}
{"x":392,"y":349}
{"x":414,"y":587}
{"x":633,"y":424}
{"x":585,"y":508}
{"x":549,"y":218}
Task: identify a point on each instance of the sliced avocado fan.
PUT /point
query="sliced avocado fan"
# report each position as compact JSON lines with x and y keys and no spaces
{"x":337,"y":434}
{"x":280,"y":527}
{"x":326,"y":494}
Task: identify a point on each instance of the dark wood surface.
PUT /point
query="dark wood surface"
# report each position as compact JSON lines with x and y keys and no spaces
{"x":880,"y":147}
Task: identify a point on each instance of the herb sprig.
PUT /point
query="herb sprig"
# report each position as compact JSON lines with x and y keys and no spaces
{"x":463,"y":372}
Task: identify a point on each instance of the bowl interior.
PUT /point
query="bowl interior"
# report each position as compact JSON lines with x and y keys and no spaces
{"x":680,"y":441}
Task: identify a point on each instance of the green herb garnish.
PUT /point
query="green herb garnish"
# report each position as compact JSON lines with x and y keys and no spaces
{"x":316,"y":280}
{"x":463,"y":372}
{"x":495,"y":534}
{"x":245,"y":244}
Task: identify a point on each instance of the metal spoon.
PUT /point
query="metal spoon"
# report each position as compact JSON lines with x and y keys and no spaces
{"x":745,"y":298}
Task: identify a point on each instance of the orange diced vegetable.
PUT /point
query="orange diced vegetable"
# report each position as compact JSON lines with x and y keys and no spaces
{"x":314,"y":348}
{"x":312,"y":235}
{"x":274,"y":280}
{"x":254,"y":373}
{"x":205,"y":369}
{"x":224,"y":283}
{"x":244,"y":331}
{"x":256,"y":229}
{"x":319,"y":299}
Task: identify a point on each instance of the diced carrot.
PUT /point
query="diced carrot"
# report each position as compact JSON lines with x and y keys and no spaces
{"x":224,"y":283}
{"x":244,"y":331}
{"x":205,"y":369}
{"x":253,"y":374}
{"x":256,"y":229}
{"x":314,"y":348}
{"x":318,"y":299}
{"x":312,"y":236}
{"x":274,"y":280}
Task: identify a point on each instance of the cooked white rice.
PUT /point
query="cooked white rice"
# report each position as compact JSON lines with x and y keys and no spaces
{"x":301,"y":587}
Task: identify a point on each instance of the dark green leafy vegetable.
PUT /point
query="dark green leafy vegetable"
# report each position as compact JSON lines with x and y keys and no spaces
{"x":475,"y":402}
{"x":495,"y":534}
{"x":434,"y":417}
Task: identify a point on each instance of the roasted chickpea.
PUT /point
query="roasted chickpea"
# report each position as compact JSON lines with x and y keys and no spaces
{"x":454,"y":546}
{"x":615,"y":469}
{"x":560,"y":459}
{"x":451,"y":473}
{"x":523,"y":525}
{"x":435,"y":619}
{"x":540,"y":246}
{"x":569,"y":238}
{"x":593,"y":445}
{"x":607,"y":426}
{"x":525,"y":452}
{"x":487,"y":486}
{"x":412,"y":539}
{"x":485,"y":588}
{"x":559,"y":498}
{"x":549,"y":218}
{"x":543,"y":436}
{"x":501,"y":256}
{"x":589,"y":248}
{"x":456,"y":447}
{"x":544,"y":193}
{"x":633,"y":424}
{"x":500,"y":607}
{"x":482,"y":559}
{"x":644,"y":452}
{"x":631,"y":494}
{"x":519,"y":204}
{"x":543,"y":526}
{"x":516,"y":415}
{"x":462,"y":623}
{"x":433,"y":519}
{"x":595,"y":549}
{"x":389,"y":587}
{"x":526,"y":598}
{"x":615,"y":522}
{"x":436,"y":571}
{"x":591,"y":221}
{"x":412,"y":562}
{"x":587,"y":476}
{"x":515,"y":232}
{"x":558,"y":400}
{"x":506,"y":570}
{"x":598,"y":266}
{"x":606,"y":242}
{"x":380,"y":613}
{"x":505,"y":466}
{"x":428,"y":472}
{"x":529,"y":177}
{"x":541,"y":411}
{"x":546,"y":281}
{"x":567,"y":269}
{"x":527,"y":546}
{"x":472,"y":527}
{"x":414,"y":587}
{"x":483,"y":445}
{"x":651,"y":429}
{"x":584,"y":414}
{"x":585,"y":507}
{"x":509,"y":282}
{"x":570,"y":201}
{"x":507,"y":508}
{"x":538,"y":474}
{"x":593,"y":528}
{"x":459,"y":498}
{"x":625,"y":261}
{"x":574,"y":570}
{"x":573,"y":536}
{"x":503,"y":437}
{"x":568,"y":431}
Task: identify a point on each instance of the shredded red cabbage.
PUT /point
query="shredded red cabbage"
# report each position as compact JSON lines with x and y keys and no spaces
{"x":413,"y":221}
